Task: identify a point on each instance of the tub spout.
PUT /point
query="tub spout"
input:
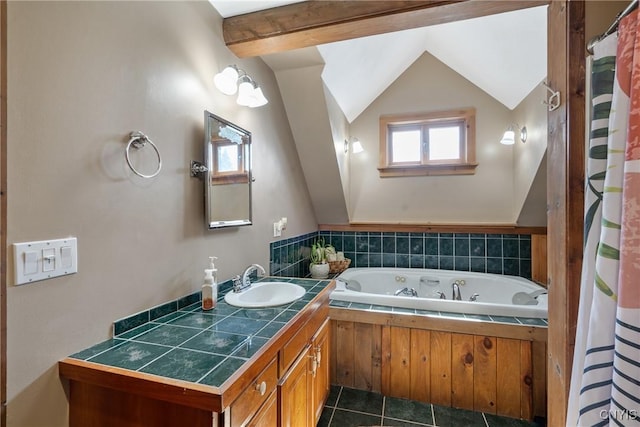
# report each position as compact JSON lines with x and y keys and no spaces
{"x":456,"y":292}
{"x":442,"y":295}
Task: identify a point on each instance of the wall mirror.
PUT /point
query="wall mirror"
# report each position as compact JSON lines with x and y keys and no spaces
{"x":227,"y":151}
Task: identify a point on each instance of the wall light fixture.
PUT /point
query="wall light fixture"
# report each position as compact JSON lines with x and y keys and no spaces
{"x":356,"y":146}
{"x":509,"y":137}
{"x":233,"y":80}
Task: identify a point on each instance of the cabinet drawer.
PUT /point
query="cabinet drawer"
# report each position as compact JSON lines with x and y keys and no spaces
{"x":267,"y":416}
{"x":254,"y":395}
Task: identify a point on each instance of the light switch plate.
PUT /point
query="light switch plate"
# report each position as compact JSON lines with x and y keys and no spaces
{"x":41,"y":260}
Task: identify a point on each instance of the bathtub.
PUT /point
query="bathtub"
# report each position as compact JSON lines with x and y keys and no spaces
{"x":377,"y":286}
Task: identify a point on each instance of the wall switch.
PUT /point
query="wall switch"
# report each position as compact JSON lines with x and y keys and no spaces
{"x":30,"y":262}
{"x":48,"y":259}
{"x":34,"y":261}
{"x":66,"y":257}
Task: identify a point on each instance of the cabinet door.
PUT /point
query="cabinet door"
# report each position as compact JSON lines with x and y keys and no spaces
{"x":321,"y":381}
{"x":296,"y":409}
{"x":267,"y":416}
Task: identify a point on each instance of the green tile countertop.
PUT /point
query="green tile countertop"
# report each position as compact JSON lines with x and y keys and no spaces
{"x":201,"y":347}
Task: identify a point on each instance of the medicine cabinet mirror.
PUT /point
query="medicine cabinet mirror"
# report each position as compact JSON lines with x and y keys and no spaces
{"x":227,"y":151}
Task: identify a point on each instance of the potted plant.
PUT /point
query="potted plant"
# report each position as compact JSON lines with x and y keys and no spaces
{"x":319,"y":267}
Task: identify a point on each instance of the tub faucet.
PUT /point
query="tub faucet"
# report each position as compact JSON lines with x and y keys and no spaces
{"x":245,"y":281}
{"x":406,"y":291}
{"x":474,"y":297}
{"x":441,"y":295}
{"x":456,"y":292}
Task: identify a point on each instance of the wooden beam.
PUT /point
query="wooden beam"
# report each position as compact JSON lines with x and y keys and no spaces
{"x":565,"y":195}
{"x":311,"y":23}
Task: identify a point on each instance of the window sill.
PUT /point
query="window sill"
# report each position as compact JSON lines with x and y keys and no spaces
{"x":233,"y":178}
{"x":428,"y":170}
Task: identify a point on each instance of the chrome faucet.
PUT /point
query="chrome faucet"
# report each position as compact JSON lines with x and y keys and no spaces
{"x":474,"y":297}
{"x":441,"y":294}
{"x":406,"y":291}
{"x":239,"y":284}
{"x":456,"y":292}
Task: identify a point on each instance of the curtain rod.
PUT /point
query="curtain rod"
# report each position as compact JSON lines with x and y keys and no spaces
{"x":613,"y":27}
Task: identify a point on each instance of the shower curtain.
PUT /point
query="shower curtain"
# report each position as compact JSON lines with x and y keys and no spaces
{"x":605,"y":385}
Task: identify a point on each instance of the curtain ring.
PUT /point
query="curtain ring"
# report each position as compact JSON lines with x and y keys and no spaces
{"x":139,"y":140}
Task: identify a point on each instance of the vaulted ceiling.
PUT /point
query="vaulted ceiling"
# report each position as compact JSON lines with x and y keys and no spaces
{"x":502,"y":54}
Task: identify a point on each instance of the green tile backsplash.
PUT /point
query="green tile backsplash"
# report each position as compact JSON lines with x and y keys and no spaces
{"x":485,"y":253}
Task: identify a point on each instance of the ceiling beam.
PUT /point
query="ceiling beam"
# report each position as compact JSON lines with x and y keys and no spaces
{"x":315,"y":22}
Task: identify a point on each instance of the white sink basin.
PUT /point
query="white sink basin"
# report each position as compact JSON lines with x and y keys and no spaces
{"x":265,"y":294}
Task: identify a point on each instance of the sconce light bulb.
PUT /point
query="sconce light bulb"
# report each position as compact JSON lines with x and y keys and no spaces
{"x":226,"y":80}
{"x":356,"y":146}
{"x":245,"y":94}
{"x":509,"y":138}
{"x":258,"y":98}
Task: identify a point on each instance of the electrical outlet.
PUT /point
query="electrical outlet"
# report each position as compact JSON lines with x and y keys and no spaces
{"x":277,"y":229}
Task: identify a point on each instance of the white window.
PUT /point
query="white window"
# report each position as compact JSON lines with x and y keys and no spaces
{"x":440,"y":143}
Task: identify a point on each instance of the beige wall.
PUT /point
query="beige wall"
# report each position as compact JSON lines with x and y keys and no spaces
{"x":486,"y":197}
{"x":600,"y":14}
{"x":81,"y":76}
{"x":528,"y":158}
{"x":340,"y":133}
{"x":307,"y":110}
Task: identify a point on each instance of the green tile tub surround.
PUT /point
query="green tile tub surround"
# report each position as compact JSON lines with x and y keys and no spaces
{"x":408,"y":311}
{"x":180,"y":341}
{"x":483,"y":253}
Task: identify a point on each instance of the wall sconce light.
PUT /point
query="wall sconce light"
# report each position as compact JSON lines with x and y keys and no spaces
{"x":356,"y":146}
{"x":233,"y":80}
{"x":509,"y":137}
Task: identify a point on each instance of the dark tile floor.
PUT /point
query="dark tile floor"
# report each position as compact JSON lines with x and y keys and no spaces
{"x":347,"y":407}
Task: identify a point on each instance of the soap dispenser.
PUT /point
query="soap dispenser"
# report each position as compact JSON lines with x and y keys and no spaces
{"x":210,"y":287}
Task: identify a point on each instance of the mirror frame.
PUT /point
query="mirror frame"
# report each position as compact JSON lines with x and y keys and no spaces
{"x":209,"y":119}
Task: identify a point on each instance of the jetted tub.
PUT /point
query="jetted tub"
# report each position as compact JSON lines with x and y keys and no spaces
{"x":495,"y":292}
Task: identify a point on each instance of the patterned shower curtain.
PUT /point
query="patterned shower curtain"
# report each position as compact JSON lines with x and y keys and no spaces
{"x":605,"y":386}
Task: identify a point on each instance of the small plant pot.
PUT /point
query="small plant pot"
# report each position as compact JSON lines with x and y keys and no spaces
{"x":319,"y":271}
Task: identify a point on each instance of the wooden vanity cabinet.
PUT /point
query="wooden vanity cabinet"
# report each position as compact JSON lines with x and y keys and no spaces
{"x":322,"y":380}
{"x":294,"y":390}
{"x":267,"y":415}
{"x":286,"y":384}
{"x":303,"y":389}
{"x":249,"y":405}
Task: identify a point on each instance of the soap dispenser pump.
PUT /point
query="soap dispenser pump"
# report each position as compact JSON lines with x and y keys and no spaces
{"x":209,"y":287}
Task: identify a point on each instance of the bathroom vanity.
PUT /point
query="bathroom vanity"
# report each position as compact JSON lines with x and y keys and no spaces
{"x":284,"y":382}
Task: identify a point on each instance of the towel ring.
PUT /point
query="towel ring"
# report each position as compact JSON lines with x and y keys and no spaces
{"x":139,"y":140}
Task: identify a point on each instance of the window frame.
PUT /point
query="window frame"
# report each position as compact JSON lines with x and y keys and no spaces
{"x":237,"y":176}
{"x":465,"y":165}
